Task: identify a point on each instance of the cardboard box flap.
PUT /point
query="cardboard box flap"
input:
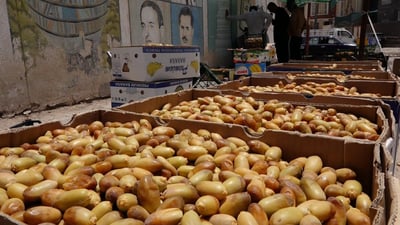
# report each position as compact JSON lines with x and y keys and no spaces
{"x":378,"y":215}
{"x":8,"y":220}
{"x":394,"y":213}
{"x":379,"y":186}
{"x":387,"y":157}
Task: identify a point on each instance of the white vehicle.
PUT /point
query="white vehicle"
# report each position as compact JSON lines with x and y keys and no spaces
{"x":339,"y":33}
{"x":330,"y":43}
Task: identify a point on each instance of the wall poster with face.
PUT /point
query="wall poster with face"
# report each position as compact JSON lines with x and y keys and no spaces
{"x":150,"y":22}
{"x":186,"y":25}
{"x":176,"y":22}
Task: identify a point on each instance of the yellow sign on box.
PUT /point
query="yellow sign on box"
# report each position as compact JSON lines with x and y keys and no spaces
{"x":249,"y":68}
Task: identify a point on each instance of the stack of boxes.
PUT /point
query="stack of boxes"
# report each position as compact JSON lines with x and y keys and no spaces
{"x":250,"y":61}
{"x":146,"y":71}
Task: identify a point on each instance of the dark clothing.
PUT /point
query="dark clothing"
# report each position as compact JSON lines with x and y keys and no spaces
{"x":296,"y":27}
{"x":281,"y":35}
{"x":295,"y":44}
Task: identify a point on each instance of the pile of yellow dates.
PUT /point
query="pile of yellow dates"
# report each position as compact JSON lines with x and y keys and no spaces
{"x":313,"y":88}
{"x":272,"y":114}
{"x":134,"y":173}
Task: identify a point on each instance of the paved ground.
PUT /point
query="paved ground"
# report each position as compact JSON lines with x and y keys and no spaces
{"x":65,"y":114}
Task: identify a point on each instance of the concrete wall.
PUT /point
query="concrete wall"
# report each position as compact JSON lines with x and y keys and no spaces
{"x":45,"y":63}
{"x":41,"y":67}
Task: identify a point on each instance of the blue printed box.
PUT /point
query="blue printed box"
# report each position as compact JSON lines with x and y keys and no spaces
{"x":155,"y":63}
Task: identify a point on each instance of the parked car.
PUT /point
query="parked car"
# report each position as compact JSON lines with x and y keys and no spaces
{"x":340,"y":33}
{"x":328,"y":47}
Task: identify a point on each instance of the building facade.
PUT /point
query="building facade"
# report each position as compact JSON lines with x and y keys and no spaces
{"x":388,"y":17}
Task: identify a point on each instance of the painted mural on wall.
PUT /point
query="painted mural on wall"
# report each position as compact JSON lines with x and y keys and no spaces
{"x":84,"y":29}
{"x":177,"y":22}
{"x":26,"y":38}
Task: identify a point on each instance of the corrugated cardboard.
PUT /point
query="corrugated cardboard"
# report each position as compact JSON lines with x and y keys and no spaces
{"x":393,"y":216}
{"x":336,"y":153}
{"x":326,"y":66}
{"x":154,"y":63}
{"x":392,"y":182}
{"x":124,"y":91}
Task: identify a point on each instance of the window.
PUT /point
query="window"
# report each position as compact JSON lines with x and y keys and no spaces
{"x":332,"y":41}
{"x":345,"y":34}
{"x":314,"y":41}
{"x":323,"y":40}
{"x":319,"y":9}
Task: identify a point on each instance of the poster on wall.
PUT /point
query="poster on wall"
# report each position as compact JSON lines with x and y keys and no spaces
{"x":176,"y":22}
{"x":186,"y":25}
{"x":150,"y":22}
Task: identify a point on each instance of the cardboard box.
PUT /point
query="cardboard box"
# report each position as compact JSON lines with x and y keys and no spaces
{"x":154,"y":63}
{"x":338,"y":75}
{"x":392,"y":182}
{"x":384,"y":88}
{"x":335,"y":153}
{"x":376,"y":75}
{"x":124,"y":91}
{"x":394,"y":65}
{"x":362,"y":108}
{"x":251,"y":55}
{"x":389,"y":90}
{"x":247,"y":69}
{"x":347,"y":67}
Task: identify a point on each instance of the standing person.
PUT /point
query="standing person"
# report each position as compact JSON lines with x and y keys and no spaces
{"x":257,"y":22}
{"x":281,"y":35}
{"x":186,"y":29}
{"x":296,"y":27}
{"x":152,"y":22}
{"x":190,"y":2}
